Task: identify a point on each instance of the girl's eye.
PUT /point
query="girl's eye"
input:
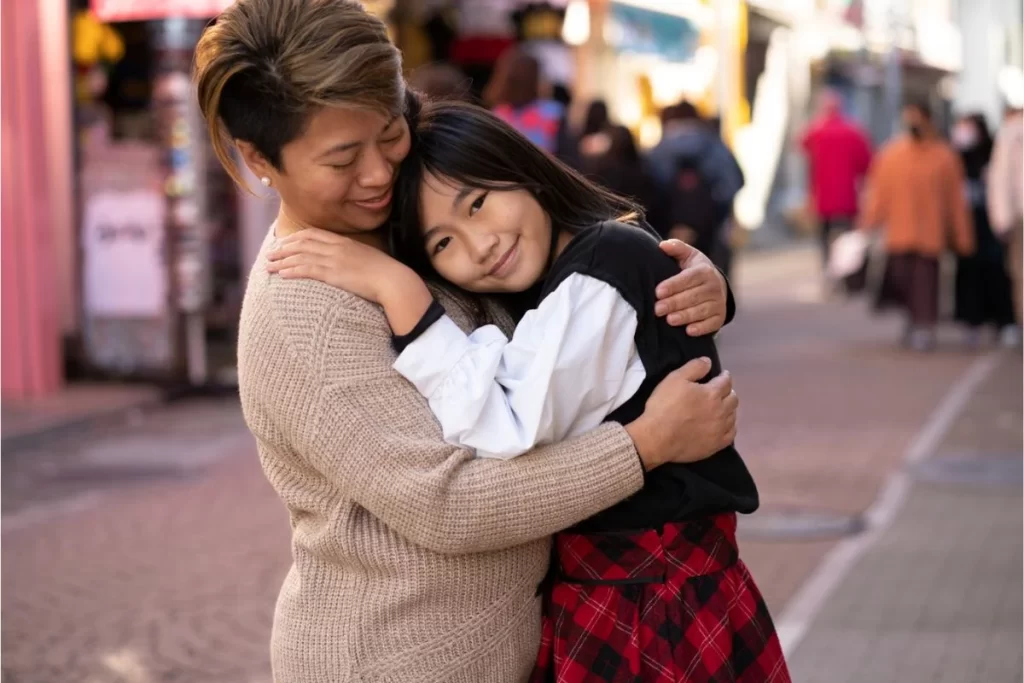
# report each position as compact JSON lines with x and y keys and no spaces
{"x":393,"y":139}
{"x":441,"y":244}
{"x":341,"y":167}
{"x":478,"y":204}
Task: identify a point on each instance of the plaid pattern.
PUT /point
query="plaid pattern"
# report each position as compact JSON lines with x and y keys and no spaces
{"x":671,"y":606}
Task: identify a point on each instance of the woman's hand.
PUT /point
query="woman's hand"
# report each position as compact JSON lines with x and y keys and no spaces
{"x":358,"y":268}
{"x":697,"y":297}
{"x":684,"y":421}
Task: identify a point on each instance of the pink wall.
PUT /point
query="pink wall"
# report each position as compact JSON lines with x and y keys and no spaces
{"x":30,"y":320}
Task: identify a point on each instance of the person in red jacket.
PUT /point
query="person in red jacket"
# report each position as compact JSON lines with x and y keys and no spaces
{"x":839,"y":154}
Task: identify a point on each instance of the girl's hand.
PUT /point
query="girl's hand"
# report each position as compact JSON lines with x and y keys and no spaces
{"x":358,"y":268}
{"x":335,"y":260}
{"x":698,"y":297}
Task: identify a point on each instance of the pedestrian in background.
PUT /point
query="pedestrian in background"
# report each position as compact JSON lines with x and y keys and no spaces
{"x":440,"y":81}
{"x":916,"y":194}
{"x":596,"y":122}
{"x":698,"y":177}
{"x":1006,"y":197}
{"x":514,"y":94}
{"x":613,"y":161}
{"x":839,"y":154}
{"x":983,"y":296}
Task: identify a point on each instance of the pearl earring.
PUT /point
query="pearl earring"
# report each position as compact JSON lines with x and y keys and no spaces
{"x":266,"y":181}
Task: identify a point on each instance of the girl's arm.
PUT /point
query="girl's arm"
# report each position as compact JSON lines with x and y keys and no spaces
{"x":357,"y":268}
{"x":570,"y":362}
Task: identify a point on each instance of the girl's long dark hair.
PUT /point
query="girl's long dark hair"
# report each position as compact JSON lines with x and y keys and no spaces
{"x":471,"y":146}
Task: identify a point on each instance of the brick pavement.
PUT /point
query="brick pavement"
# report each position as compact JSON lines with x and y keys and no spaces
{"x":166,"y":577}
{"x":828,"y":405}
{"x":938,"y":597}
{"x":168,"y":572}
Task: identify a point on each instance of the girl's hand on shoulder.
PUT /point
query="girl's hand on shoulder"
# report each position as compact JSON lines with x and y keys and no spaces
{"x":335,"y":260}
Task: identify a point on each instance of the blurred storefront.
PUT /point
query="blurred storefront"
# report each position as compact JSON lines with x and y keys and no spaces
{"x":992,"y":78}
{"x":875,"y":53}
{"x":34,"y":223}
{"x":126,"y":247}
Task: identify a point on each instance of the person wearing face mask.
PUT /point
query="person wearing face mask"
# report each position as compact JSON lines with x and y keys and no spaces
{"x":982,"y":285}
{"x":916,"y":194}
{"x":1006,"y":197}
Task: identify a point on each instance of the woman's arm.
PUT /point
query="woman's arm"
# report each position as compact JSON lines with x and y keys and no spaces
{"x":367,"y":429}
{"x":571,"y":361}
{"x":958,"y":211}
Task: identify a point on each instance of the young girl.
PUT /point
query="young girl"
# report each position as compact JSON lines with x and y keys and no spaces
{"x":651,"y":589}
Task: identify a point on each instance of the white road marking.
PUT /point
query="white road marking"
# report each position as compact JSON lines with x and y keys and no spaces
{"x":807,"y":603}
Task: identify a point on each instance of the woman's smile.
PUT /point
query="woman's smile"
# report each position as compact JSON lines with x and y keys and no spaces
{"x":378,"y":203}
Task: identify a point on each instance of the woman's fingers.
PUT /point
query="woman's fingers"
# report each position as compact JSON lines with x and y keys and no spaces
{"x":705,"y":327}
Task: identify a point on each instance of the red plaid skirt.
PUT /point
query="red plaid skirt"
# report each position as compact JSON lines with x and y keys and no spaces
{"x":676,"y":605}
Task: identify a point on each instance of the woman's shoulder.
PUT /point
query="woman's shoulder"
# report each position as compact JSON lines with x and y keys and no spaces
{"x":614,"y":244}
{"x":624,"y":255}
{"x":305,"y":314}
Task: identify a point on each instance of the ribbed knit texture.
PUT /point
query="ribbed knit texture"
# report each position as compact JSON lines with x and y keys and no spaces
{"x":413,"y":560}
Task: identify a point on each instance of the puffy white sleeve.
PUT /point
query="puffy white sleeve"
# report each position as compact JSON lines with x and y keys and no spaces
{"x":570,"y":362}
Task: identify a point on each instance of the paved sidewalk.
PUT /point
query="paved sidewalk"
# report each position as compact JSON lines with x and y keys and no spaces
{"x":938,"y":597}
{"x":73,"y":408}
{"x":153,"y":551}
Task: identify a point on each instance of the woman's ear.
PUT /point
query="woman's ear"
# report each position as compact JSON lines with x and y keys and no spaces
{"x":255,"y":161}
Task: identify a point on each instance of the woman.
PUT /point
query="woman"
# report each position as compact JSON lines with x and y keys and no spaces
{"x":983,"y":294}
{"x":488,"y":212}
{"x":413,"y":561}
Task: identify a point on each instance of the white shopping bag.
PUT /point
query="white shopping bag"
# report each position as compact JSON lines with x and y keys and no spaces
{"x":847,"y":254}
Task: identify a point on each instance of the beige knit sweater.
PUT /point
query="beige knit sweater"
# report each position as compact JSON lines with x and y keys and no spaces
{"x":413,"y":561}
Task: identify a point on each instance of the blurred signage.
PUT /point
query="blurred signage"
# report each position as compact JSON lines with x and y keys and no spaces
{"x":145,"y":10}
{"x":637,"y":30}
{"x":123,"y":251}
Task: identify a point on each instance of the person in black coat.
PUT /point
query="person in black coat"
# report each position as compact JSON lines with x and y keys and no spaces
{"x":983,"y":294}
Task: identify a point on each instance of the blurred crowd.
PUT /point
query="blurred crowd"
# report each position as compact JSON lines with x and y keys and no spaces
{"x":924,"y":194}
{"x":928,"y":196}
{"x":687,"y":183}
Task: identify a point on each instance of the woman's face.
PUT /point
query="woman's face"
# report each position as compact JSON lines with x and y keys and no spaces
{"x":965,"y":134}
{"x":484,"y":240}
{"x":338,"y":175}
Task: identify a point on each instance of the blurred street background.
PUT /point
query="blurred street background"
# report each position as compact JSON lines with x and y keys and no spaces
{"x":140,"y":541}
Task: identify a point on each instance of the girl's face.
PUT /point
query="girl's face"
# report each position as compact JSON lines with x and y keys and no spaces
{"x":484,"y":241}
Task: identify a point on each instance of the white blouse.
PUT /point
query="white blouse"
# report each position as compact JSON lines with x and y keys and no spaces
{"x":571,"y":362}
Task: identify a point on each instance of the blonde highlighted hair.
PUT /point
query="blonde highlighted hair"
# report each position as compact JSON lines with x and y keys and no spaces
{"x":265,"y":66}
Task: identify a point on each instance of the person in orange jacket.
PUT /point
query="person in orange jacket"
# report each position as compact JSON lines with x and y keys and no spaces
{"x":915,"y":193}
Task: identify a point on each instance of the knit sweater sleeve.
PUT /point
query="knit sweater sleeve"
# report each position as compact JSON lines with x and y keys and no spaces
{"x":376,"y":438}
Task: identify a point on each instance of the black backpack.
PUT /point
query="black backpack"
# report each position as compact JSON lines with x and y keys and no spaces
{"x":691,"y":203}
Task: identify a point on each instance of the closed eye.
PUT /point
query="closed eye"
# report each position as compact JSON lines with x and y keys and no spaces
{"x":478,"y":203}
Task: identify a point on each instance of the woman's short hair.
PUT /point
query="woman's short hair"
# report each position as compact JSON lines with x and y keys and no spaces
{"x":265,"y":66}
